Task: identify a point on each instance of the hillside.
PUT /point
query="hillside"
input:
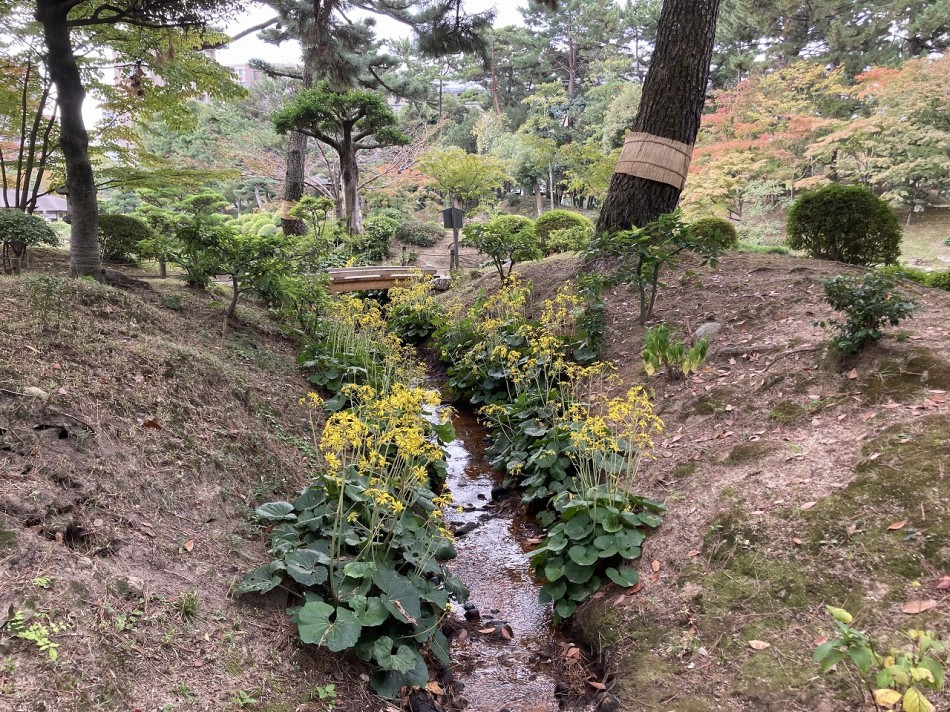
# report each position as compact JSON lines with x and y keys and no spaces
{"x":793,"y":482}
{"x":135,"y":444}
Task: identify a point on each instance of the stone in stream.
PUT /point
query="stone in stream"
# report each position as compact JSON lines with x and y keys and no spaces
{"x":464,"y":529}
{"x":498,"y":492}
{"x":472,"y":614}
{"x":608,"y":703}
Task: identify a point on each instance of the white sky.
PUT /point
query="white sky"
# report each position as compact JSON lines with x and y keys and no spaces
{"x":250,"y":47}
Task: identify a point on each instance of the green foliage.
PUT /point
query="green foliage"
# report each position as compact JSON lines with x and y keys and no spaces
{"x":315,"y":211}
{"x":412,"y":312}
{"x":119,"y":236}
{"x":660,"y":352}
{"x":414,"y":232}
{"x":506,"y":239}
{"x":900,"y":677}
{"x":639,"y":255}
{"x":19,"y":231}
{"x":555,"y":220}
{"x":568,"y":239}
{"x":36,"y":633}
{"x":869,"y":303}
{"x":467,"y":176}
{"x":362,"y":541}
{"x":25,"y":229}
{"x":844,"y":223}
{"x":595,"y":536}
{"x":373,"y":244}
{"x":937,"y":280}
{"x":715,"y":230}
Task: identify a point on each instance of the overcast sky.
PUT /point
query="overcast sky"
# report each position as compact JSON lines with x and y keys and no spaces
{"x":250,"y":47}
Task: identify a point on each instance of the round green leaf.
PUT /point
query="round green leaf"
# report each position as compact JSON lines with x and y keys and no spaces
{"x":623,"y":576}
{"x":554,"y":568}
{"x":578,"y":573}
{"x":315,"y":627}
{"x":306,"y":567}
{"x":276,"y":511}
{"x":584,"y":555}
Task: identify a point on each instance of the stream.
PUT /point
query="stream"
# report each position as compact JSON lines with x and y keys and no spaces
{"x":513,"y":667}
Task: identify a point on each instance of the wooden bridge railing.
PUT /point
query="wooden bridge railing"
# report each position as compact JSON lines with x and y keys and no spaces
{"x":353,"y":279}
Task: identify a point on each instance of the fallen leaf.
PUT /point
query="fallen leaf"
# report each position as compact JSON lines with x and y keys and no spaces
{"x":486,"y":631}
{"x":434,"y":687}
{"x":703,"y":652}
{"x":189,"y":545}
{"x":897,"y":525}
{"x":655,"y":565}
{"x":198,"y":663}
{"x":915,"y":607}
{"x":152,"y":423}
{"x":759,"y":644}
{"x":635,"y":589}
{"x":63,"y":391}
{"x":944,"y":583}
{"x":852,"y":528}
{"x":597,"y":685}
{"x":507,"y":633}
{"x":798,"y":541}
{"x":462,"y":636}
{"x":808,"y":505}
{"x":694,"y":552}
{"x":820,"y":639}
{"x":853,"y":373}
{"x":872,"y":458}
{"x":573,"y":652}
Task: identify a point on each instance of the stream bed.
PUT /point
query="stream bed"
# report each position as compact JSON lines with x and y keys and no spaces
{"x":514,"y":668}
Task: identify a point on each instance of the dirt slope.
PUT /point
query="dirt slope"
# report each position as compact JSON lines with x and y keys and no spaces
{"x":783,"y":471}
{"x":134,"y":444}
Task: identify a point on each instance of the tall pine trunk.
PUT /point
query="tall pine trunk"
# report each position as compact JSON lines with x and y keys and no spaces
{"x":84,"y":258}
{"x":294,"y":182}
{"x":671,"y":106}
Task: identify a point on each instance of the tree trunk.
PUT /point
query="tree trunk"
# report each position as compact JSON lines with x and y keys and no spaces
{"x":349,"y":170}
{"x":538,"y":203}
{"x":294,"y":182}
{"x":673,"y":97}
{"x":84,"y":258}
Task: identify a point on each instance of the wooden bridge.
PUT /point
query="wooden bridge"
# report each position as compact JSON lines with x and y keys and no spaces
{"x":354,"y":279}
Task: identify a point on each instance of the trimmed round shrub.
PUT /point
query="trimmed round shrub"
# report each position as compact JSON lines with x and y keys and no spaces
{"x":715,"y":231}
{"x":414,"y":232}
{"x":846,"y":224}
{"x":17,"y":227}
{"x":568,"y":239}
{"x":553,"y":220}
{"x":18,"y":231}
{"x":119,"y":236}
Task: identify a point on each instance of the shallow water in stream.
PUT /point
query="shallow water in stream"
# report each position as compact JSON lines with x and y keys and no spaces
{"x":498,"y":673}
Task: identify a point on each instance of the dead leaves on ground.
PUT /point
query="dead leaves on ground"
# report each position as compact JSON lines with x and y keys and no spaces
{"x":915,"y":607}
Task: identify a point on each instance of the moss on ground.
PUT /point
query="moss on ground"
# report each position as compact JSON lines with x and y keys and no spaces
{"x":7,"y":539}
{"x":787,"y":413}
{"x":904,"y":475}
{"x":901,"y":379}
{"x":685,"y":469}
{"x":711,"y":403}
{"x":748,"y":452}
